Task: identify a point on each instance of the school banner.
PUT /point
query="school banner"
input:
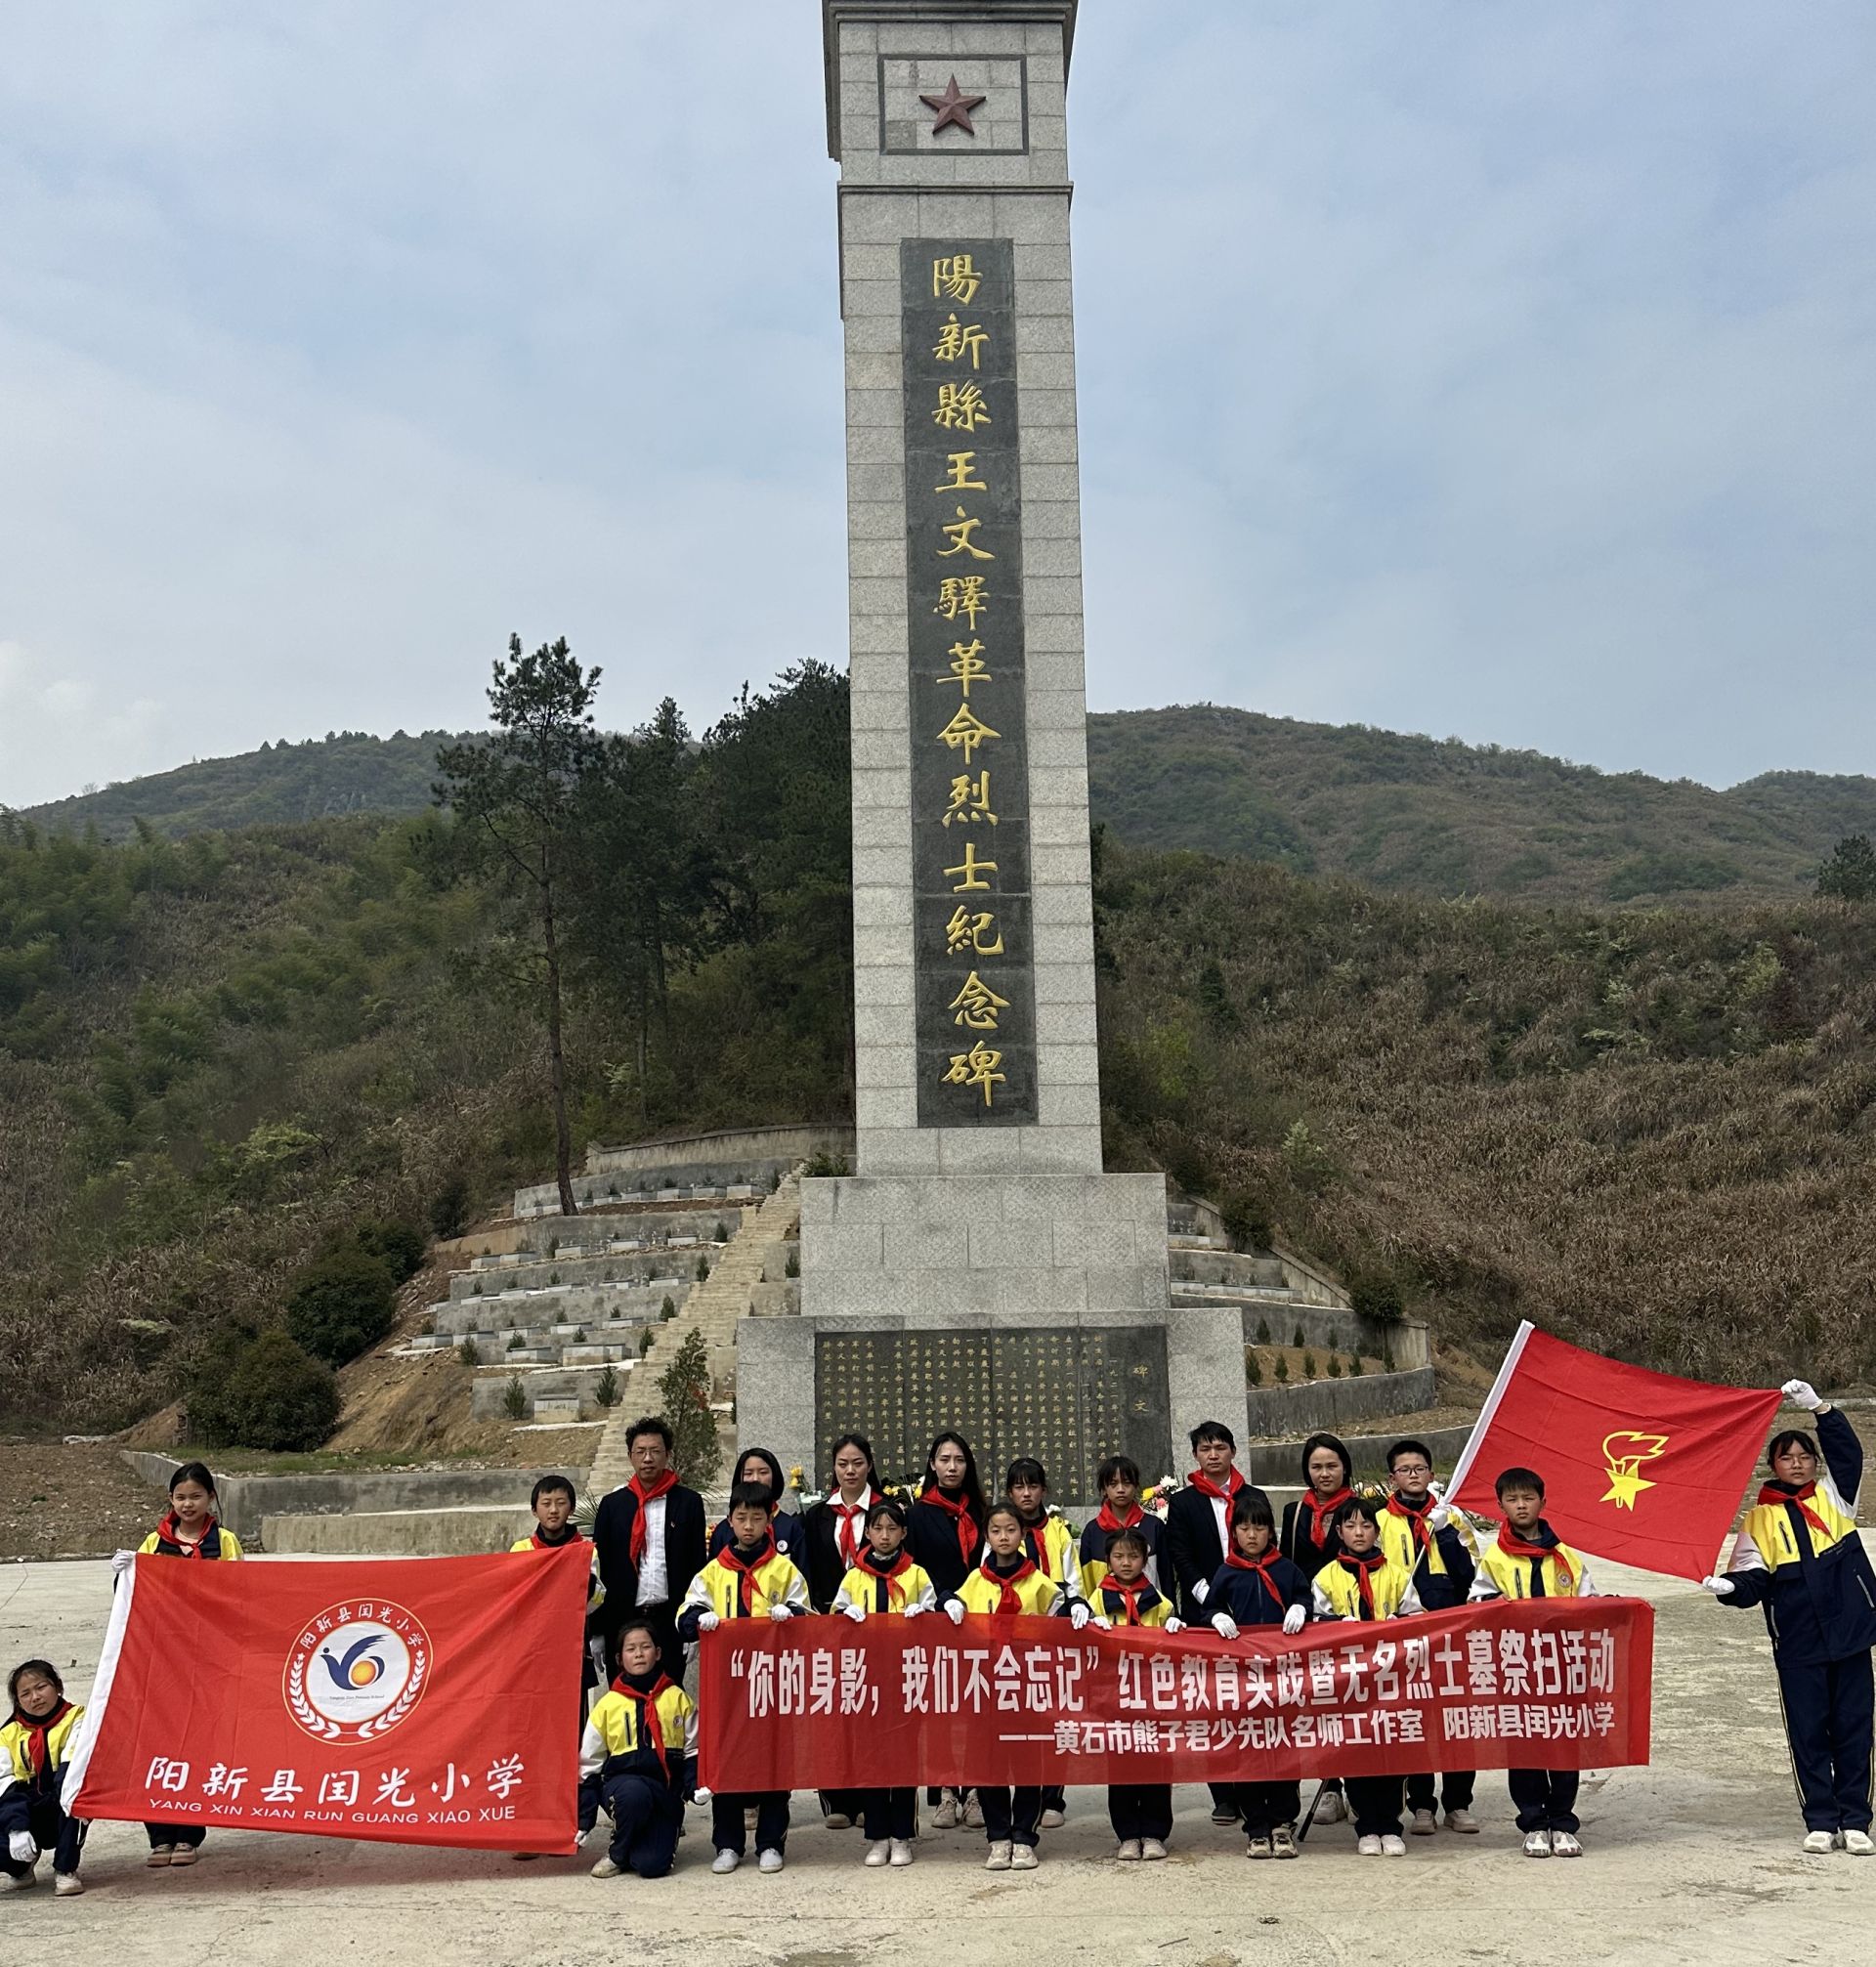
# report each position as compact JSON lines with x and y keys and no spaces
{"x":826,"y":1704}
{"x":1637,"y":1466}
{"x":421,"y":1700}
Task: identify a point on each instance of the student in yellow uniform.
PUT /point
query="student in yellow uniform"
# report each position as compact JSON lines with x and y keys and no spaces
{"x":635,"y":1758}
{"x":1051,"y":1542}
{"x":552,"y":1503}
{"x":1361,"y":1582}
{"x":191,"y":1531}
{"x":747,"y":1579}
{"x":886,"y":1584}
{"x":1008,"y":1582}
{"x":1527,"y":1559}
{"x":1141,"y":1813}
{"x":35,"y":1746}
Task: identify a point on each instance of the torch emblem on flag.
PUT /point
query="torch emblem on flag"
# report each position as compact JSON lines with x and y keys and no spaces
{"x":1625,"y":1453}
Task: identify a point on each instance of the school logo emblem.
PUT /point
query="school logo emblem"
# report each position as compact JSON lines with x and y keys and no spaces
{"x":356,"y":1671}
{"x":1625,"y":1453}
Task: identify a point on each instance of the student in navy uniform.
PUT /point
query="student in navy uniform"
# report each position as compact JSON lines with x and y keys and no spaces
{"x":35,"y":1745}
{"x":1257,"y":1586}
{"x":1051,"y":1545}
{"x":1141,"y":1813}
{"x":1799,"y":1556}
{"x":1435,"y":1545}
{"x":650,"y":1534}
{"x":636,"y":1758}
{"x":190,"y":1531}
{"x":945,"y":1534}
{"x":757,"y":1468}
{"x":1197,"y":1538}
{"x":1118,"y":1479}
{"x":1309,"y":1542}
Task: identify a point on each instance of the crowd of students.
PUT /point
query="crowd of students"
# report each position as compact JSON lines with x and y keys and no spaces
{"x":1218,"y":1558}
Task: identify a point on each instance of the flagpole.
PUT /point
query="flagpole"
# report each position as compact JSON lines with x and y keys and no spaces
{"x":80,"y":1759}
{"x":1462,"y":1467}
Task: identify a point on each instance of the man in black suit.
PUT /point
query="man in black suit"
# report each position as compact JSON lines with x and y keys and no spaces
{"x":1197,"y":1537}
{"x":650,"y":1536}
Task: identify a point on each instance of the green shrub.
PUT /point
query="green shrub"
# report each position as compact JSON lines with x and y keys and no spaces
{"x":516,"y":1341}
{"x":1377,"y":1295}
{"x":1283,"y":1368}
{"x":399,"y":1245}
{"x":1334,"y":1367}
{"x":792,"y":1263}
{"x":1296,"y":1339}
{"x":684,"y":1400}
{"x":1247,"y":1221}
{"x":668,"y":1309}
{"x":514,"y":1398}
{"x":609,"y":1388}
{"x":450,"y":1208}
{"x":644,"y":1342}
{"x":1354,"y":1364}
{"x":277,"y":1396}
{"x":468,"y":1354}
{"x":553,"y":1277}
{"x":702,"y":1268}
{"x":816,"y":1167}
{"x":1264,"y":1331}
{"x":341,"y":1302}
{"x":1387,"y":1357}
{"x":1308,"y":1365}
{"x":722,"y":1230}
{"x":1253,"y":1372}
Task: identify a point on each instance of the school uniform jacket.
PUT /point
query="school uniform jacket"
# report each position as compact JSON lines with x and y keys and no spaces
{"x":822,"y":1561}
{"x":22,"y":1783}
{"x":876,"y":1591}
{"x":1443,"y":1561}
{"x":684,"y":1552}
{"x":1295,"y":1538}
{"x":615,"y":1743}
{"x":931,"y":1536}
{"x":1810,"y":1571}
{"x":1040,"y":1596}
{"x":1149,"y":1607}
{"x":719,"y":1589}
{"x":1194,"y":1547}
{"x":787,"y":1528}
{"x":1246,"y":1598}
{"x":595,"y":1588}
{"x":1095,"y":1541}
{"x":1561,"y":1573}
{"x":220,"y":1543}
{"x":1337,"y":1591}
{"x":1052,"y":1547}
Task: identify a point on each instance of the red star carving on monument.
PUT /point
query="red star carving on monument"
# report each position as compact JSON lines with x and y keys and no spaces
{"x":953,"y":107}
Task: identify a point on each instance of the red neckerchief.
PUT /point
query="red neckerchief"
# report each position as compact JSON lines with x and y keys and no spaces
{"x":1034,"y":1536}
{"x":1205,"y":1486}
{"x":1129,"y":1594}
{"x":641,"y":1528}
{"x":37,"y":1732}
{"x":1514,"y":1546}
{"x":648,"y":1721}
{"x":967,"y":1538}
{"x":895,"y":1567}
{"x":539,"y":1543}
{"x":1010,"y":1601}
{"x":1261,"y":1566}
{"x":746,"y":1570}
{"x":1776,"y":1492}
{"x":1110,"y":1523}
{"x":1397,"y":1506}
{"x":846,"y":1538}
{"x":1363,"y":1568}
{"x":1322,"y":1509}
{"x":170,"y":1531}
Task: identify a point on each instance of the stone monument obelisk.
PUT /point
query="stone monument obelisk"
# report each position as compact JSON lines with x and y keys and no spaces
{"x":979,"y":1271}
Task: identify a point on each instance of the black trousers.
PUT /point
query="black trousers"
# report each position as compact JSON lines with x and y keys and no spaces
{"x":887,"y":1813}
{"x":727,"y":1832}
{"x":1453,"y":1788}
{"x":58,"y":1837}
{"x":1265,"y":1805}
{"x":646,"y":1819}
{"x":1375,"y":1801}
{"x":1011,"y":1814}
{"x":1140,"y":1810}
{"x":191,"y":1834}
{"x":1828,"y":1712}
{"x":1545,"y":1798}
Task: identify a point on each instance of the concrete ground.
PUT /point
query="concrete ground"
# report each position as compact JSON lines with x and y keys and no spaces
{"x":1693,"y":1860}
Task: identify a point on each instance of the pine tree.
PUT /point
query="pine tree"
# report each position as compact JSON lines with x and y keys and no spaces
{"x":684,"y":1400}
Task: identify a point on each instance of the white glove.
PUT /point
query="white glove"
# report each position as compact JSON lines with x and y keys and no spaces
{"x":1202,"y":1591}
{"x":1106,"y":1625}
{"x":912,"y":1611}
{"x":856,"y":1613}
{"x":121,"y":1561}
{"x":1292,"y":1619}
{"x":24,"y":1851}
{"x":1438,"y":1517}
{"x":778,"y":1613}
{"x":955,"y":1611}
{"x":1721,"y":1588}
{"x":1079,"y":1614}
{"x":707,"y":1622}
{"x":1170,"y":1626}
{"x":1802,"y":1393}
{"x":1224,"y":1625}
{"x":699,"y":1796}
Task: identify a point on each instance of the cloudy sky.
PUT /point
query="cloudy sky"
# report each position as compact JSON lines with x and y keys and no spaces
{"x":1507,"y":372}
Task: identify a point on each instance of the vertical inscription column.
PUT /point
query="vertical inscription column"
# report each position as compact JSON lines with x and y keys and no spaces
{"x":973,"y":948}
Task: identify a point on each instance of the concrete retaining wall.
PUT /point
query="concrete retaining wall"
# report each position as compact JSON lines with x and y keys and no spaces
{"x":398,"y":1533}
{"x":711,"y":1153}
{"x":1410,"y":1342}
{"x":1335,"y":1403}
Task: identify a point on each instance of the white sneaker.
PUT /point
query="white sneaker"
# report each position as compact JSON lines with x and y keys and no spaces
{"x":901,"y":1852}
{"x":1151,"y":1848}
{"x":1393,"y":1846}
{"x":604,"y":1868}
{"x":68,"y":1884}
{"x":1857,"y":1843}
{"x":1368,"y":1847}
{"x":878,"y":1854}
{"x":998,"y":1858}
{"x":947,"y":1816}
{"x":1817,"y":1842}
{"x":770,"y":1861}
{"x":726,"y":1861}
{"x":1537,"y":1844}
{"x":1565,"y":1845}
{"x":1129,"y":1851}
{"x":1022,"y":1858}
{"x":9,"y":1883}
{"x":973,"y":1818}
{"x":1053,"y":1820}
{"x":1463,"y":1822}
{"x":1424,"y":1824}
{"x":1333,"y":1809}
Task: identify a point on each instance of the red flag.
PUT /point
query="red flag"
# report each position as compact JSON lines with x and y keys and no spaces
{"x":419,"y":1700}
{"x":1637,"y":1466}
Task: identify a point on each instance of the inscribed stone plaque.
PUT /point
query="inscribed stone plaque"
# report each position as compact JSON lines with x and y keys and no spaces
{"x":1067,"y":1395}
{"x":973,"y":955}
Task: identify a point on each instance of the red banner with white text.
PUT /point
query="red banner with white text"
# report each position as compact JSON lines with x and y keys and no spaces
{"x":421,"y":1700}
{"x":826,"y":1704}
